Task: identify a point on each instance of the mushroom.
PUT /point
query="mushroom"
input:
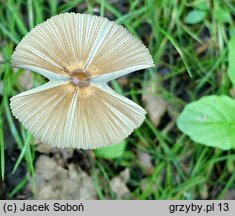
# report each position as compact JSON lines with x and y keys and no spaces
{"x":79,"y":54}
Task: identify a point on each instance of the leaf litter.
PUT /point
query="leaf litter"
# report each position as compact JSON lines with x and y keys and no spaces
{"x":154,"y":102}
{"x":56,"y":182}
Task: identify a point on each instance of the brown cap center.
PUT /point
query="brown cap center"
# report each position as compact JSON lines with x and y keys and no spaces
{"x":80,"y":78}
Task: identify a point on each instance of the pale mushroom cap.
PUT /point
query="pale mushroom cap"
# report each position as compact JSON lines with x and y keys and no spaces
{"x":79,"y":53}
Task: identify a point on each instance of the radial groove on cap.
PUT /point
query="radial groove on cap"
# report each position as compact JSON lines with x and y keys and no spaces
{"x":66,"y":116}
{"x":71,"y":41}
{"x":79,"y":54}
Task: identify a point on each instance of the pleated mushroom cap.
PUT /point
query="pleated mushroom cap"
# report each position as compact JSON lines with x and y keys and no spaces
{"x":79,"y":54}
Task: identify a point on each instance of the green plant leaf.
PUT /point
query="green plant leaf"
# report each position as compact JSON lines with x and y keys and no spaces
{"x":221,"y":15}
{"x":231,"y":59}
{"x":210,"y":121}
{"x":111,"y":152}
{"x":195,"y":16}
{"x":201,"y":5}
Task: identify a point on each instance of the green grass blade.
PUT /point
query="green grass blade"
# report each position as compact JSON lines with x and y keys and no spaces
{"x":30,"y":13}
{"x":179,"y":49}
{"x":9,"y":34}
{"x":18,"y":187}
{"x":22,"y":153}
{"x":2,"y":161}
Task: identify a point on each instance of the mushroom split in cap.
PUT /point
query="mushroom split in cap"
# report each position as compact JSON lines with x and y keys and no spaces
{"x":79,"y":54}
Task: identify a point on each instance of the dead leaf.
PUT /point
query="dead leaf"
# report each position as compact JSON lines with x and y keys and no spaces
{"x":202,"y":48}
{"x":26,"y":80}
{"x":56,"y":182}
{"x":123,"y":81}
{"x":42,"y":148}
{"x":118,"y":185}
{"x":65,"y":153}
{"x":204,"y":191}
{"x":59,"y":154}
{"x":125,"y":175}
{"x":145,"y":160}
{"x":145,"y":186}
{"x":2,"y":60}
{"x":154,"y":103}
{"x":229,"y":195}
